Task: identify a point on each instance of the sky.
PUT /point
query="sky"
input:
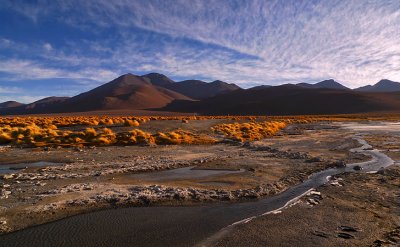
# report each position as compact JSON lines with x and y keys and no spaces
{"x":62,"y":48}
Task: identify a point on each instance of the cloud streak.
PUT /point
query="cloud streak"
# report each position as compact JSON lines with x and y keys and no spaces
{"x":246,"y":42}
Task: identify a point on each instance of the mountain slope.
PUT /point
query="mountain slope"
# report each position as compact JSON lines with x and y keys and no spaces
{"x":157,"y":79}
{"x":291,"y":99}
{"x":9,"y":104}
{"x":382,"y":86}
{"x":125,"y":92}
{"x":200,"y":90}
{"x":328,"y":84}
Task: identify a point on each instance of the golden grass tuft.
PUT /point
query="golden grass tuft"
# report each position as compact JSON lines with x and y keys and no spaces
{"x":248,"y":131}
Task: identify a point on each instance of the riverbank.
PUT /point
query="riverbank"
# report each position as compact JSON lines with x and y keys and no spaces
{"x":357,"y":210}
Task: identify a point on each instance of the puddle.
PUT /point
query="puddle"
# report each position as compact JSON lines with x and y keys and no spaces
{"x":375,"y":127}
{"x":12,"y":168}
{"x":183,"y":173}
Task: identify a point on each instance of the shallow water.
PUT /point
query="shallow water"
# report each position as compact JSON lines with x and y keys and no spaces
{"x":171,"y":226}
{"x":183,"y":173}
{"x":372,"y":127}
{"x":12,"y":168}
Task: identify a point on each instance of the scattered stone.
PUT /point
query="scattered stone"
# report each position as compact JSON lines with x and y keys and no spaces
{"x":321,"y":234}
{"x":379,"y":243}
{"x":4,"y":194}
{"x":345,"y":235}
{"x":339,"y":164}
{"x":381,"y":171}
{"x":314,"y":159}
{"x":336,"y":183}
{"x":348,"y":229}
{"x":315,"y":193}
{"x":312,"y":201}
{"x":8,"y":176}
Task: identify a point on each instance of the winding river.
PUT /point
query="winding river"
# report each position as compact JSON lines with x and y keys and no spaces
{"x":174,"y":226}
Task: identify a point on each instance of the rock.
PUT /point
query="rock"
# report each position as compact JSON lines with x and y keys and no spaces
{"x":379,"y":243}
{"x":315,"y":193}
{"x":345,"y":235}
{"x":381,"y":171}
{"x":336,"y":183}
{"x":348,"y":229}
{"x":314,"y":159}
{"x":312,"y":201}
{"x":357,"y":168}
{"x":185,"y":121}
{"x":9,"y":176}
{"x":4,"y":194}
{"x":321,"y":234}
{"x":339,"y":164}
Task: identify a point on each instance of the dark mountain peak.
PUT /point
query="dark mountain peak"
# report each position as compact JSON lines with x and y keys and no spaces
{"x":197,"y":89}
{"x":218,"y":82}
{"x":123,"y":83}
{"x":8,"y":104}
{"x":125,"y":78}
{"x":331,"y":83}
{"x":386,"y":82}
{"x":259,"y":87}
{"x":328,"y":84}
{"x":383,"y":85}
{"x":157,"y":79}
{"x":193,"y":82}
{"x":50,"y":99}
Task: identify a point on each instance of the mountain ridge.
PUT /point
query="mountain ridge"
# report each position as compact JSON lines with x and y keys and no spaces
{"x":383,"y":85}
{"x":156,"y":91}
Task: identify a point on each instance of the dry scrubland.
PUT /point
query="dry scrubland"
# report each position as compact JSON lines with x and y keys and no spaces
{"x":59,"y":131}
{"x":103,"y":131}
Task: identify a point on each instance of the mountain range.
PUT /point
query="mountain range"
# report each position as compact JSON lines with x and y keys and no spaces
{"x":159,"y":93}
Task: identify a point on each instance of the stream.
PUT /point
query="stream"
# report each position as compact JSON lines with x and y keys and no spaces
{"x":175,"y":226}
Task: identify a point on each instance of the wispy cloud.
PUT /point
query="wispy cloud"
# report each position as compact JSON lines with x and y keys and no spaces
{"x":9,"y":90}
{"x":247,"y":42}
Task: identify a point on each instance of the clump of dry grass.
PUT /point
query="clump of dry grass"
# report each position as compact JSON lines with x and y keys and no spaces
{"x":248,"y":131}
{"x":129,"y":122}
{"x":182,"y":137}
{"x":99,"y":130}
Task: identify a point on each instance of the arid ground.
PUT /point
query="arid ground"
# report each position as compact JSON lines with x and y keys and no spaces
{"x":44,"y":183}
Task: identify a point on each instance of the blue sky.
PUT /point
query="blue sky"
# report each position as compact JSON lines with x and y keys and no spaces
{"x":66,"y":47}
